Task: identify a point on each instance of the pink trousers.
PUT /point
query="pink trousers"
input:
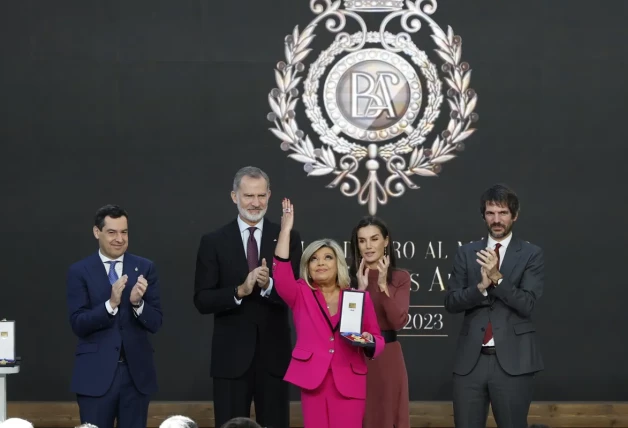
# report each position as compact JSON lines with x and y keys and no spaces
{"x":325,"y":407}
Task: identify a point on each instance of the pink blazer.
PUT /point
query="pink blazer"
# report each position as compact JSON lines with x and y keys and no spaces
{"x":319,"y":345}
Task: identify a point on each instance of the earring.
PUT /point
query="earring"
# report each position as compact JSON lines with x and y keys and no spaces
{"x":386,"y":251}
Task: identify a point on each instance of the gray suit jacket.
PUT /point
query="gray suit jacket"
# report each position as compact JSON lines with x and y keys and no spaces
{"x":509,"y":306}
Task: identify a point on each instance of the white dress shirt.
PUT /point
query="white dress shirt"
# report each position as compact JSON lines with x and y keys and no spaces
{"x":138,"y":311}
{"x":244,"y":232}
{"x":502,"y":252}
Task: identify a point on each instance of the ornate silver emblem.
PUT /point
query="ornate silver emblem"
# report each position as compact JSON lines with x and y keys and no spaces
{"x":381,"y":95}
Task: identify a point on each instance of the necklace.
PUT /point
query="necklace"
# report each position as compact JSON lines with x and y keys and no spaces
{"x":327,"y":303}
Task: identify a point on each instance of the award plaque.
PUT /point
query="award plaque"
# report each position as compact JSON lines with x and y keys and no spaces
{"x":7,"y":343}
{"x":351,"y":315}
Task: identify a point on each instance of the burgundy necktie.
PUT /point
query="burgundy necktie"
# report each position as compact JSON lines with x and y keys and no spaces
{"x":252,"y":256}
{"x":488,"y":334}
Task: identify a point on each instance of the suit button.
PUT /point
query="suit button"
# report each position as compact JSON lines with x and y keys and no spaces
{"x":117,"y":349}
{"x":331,"y":338}
{"x":331,"y":351}
{"x":482,"y":328}
{"x":120,"y":327}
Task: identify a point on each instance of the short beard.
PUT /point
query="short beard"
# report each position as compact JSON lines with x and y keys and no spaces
{"x":247,"y":216}
{"x":506,"y":231}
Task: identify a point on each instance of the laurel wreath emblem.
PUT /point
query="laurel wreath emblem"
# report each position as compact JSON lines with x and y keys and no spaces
{"x":425,"y":162}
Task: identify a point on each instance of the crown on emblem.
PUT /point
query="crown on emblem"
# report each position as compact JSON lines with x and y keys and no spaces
{"x":374,"y":5}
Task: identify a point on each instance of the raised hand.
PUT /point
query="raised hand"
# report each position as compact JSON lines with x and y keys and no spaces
{"x":282,"y":249}
{"x":287,"y":218}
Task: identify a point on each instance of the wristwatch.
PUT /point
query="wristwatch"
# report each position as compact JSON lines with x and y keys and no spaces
{"x":235,"y":293}
{"x":138,"y":305}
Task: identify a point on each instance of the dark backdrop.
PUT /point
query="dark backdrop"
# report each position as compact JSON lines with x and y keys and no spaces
{"x":155,"y":104}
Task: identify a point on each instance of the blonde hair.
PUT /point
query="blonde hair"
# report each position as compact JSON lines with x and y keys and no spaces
{"x":342,"y":271}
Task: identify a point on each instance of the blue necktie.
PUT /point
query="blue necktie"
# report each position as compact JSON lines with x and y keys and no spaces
{"x":113,"y":275}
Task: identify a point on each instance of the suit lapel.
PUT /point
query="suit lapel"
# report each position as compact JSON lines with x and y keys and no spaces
{"x":477,"y":274}
{"x":267,"y":246}
{"x":510,"y":258}
{"x":324,"y":312}
{"x":98,"y":273}
{"x":269,"y":240}
{"x":234,"y":237}
{"x":129,"y":267}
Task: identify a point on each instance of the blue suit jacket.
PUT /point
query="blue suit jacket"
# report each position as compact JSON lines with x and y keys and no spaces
{"x":101,"y":334}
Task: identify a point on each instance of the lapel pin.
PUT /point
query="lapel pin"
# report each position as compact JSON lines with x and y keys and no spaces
{"x":135,"y":269}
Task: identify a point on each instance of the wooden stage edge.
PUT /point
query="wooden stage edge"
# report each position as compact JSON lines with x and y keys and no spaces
{"x":52,"y":414}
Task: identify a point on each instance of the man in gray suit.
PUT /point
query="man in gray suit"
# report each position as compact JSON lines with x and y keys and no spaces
{"x":496,"y":283}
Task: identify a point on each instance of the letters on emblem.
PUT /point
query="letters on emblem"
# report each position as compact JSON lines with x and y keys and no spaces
{"x":376,"y":92}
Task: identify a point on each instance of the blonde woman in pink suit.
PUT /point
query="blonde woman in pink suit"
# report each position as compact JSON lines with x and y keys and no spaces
{"x":329,"y":370}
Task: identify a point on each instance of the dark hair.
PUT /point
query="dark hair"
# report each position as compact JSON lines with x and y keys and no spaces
{"x":113,"y":211}
{"x":241,"y":423}
{"x":354,"y":250}
{"x":500,"y":194}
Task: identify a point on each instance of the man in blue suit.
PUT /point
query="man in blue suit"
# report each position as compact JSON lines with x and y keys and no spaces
{"x":113,"y":303}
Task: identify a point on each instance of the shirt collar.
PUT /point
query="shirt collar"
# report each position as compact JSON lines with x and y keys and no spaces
{"x":244,"y":226}
{"x":491,"y":242}
{"x":106,"y":259}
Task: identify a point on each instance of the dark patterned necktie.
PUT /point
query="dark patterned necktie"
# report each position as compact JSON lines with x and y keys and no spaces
{"x":488,"y":334}
{"x":252,"y":256}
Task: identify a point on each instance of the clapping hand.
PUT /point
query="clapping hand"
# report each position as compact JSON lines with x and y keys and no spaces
{"x":489,"y":261}
{"x":138,"y":290}
{"x":247,"y":287}
{"x":363,"y":277}
{"x":116,"y":291}
{"x":263,"y":275}
{"x":382,"y":276}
